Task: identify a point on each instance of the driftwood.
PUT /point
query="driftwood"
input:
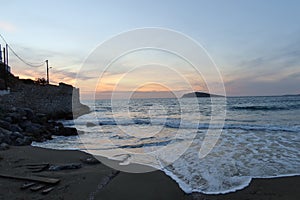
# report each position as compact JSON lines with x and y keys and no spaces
{"x":47,"y":190}
{"x":35,"y":164}
{"x":64,"y":167}
{"x":32,"y":178}
{"x":37,"y":188}
{"x":38,"y":168}
{"x":27,"y":185}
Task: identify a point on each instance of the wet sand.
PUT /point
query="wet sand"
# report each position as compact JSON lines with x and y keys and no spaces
{"x":98,"y":181}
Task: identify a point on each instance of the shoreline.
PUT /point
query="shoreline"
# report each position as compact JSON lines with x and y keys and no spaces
{"x":97,"y":181}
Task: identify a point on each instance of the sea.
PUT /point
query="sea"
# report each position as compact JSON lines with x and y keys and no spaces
{"x":254,"y":137}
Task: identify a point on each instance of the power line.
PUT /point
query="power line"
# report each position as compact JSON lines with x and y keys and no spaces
{"x":20,"y":58}
{"x":25,"y":62}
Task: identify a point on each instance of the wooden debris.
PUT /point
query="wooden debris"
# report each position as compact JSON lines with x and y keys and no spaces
{"x":36,"y":164}
{"x":33,"y":165}
{"x":64,"y":167}
{"x":33,"y":178}
{"x":27,"y":185}
{"x":37,"y":187}
{"x":47,"y":190}
{"x":39,"y":168}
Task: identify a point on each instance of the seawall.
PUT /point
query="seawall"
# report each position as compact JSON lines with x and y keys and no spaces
{"x":56,"y":102}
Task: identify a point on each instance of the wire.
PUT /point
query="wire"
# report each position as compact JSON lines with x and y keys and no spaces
{"x":3,"y":38}
{"x":25,"y":62}
{"x":20,"y":58}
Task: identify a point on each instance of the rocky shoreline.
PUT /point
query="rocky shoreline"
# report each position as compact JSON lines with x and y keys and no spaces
{"x":22,"y":126}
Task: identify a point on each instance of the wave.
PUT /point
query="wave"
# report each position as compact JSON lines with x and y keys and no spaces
{"x":149,"y":144}
{"x":245,"y":181}
{"x":176,"y":124}
{"x":266,"y":108}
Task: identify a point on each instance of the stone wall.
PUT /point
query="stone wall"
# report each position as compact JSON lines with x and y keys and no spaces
{"x":60,"y":101}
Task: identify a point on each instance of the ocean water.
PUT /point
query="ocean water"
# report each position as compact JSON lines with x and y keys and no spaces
{"x":260,"y":138}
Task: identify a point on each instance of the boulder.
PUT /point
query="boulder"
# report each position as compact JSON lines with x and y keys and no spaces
{"x":23,"y":141}
{"x":29,"y":113}
{"x":15,"y":117}
{"x":8,"y":119}
{"x":4,"y":146}
{"x":15,"y":128}
{"x":4,"y":131}
{"x":40,"y":118}
{"x":4,"y":124}
{"x":36,"y":129}
{"x":1,"y":137}
{"x":5,"y":136}
{"x":21,"y":111}
{"x":67,"y":131}
{"x":14,"y":135}
{"x":90,"y":124}
{"x":25,"y":124}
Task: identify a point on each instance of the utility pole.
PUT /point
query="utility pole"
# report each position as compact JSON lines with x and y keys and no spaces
{"x":47,"y":71}
{"x":5,"y":68}
{"x":6,"y":57}
{"x":0,"y":53}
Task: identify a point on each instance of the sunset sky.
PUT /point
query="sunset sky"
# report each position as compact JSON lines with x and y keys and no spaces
{"x":255,"y":44}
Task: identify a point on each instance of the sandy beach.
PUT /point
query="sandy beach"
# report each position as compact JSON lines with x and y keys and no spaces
{"x":97,"y":181}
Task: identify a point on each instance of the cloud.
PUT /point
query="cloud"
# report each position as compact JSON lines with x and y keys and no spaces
{"x":7,"y":26}
{"x":288,"y":84}
{"x":274,"y":72}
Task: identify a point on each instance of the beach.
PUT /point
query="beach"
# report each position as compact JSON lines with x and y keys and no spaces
{"x":97,"y":181}
{"x":150,"y":101}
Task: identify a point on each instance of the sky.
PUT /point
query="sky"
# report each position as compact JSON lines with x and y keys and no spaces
{"x":255,"y":44}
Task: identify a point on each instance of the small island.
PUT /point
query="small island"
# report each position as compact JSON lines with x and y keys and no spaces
{"x":200,"y":95}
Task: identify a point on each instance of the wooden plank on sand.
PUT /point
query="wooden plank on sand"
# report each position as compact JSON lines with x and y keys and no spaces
{"x":27,"y":185}
{"x":46,"y":191}
{"x":37,"y":188}
{"x":32,"y":178}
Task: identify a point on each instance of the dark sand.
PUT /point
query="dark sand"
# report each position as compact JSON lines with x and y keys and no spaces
{"x":88,"y":181}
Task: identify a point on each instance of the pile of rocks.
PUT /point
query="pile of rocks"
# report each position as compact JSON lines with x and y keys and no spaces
{"x":21,"y":126}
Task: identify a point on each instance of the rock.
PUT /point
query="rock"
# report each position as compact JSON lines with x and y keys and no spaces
{"x":8,"y":119}
{"x":4,"y":124}
{"x":25,"y":124}
{"x":41,"y":115}
{"x":40,"y":118}
{"x":36,"y":129}
{"x":15,"y":128}
{"x":67,"y":131}
{"x":90,"y":124}
{"x":1,"y":138}
{"x":21,"y":111}
{"x":4,"y":131}
{"x":15,"y":135}
{"x":23,"y":141}
{"x":5,"y":136}
{"x":15,"y":117}
{"x":20,"y":135}
{"x":59,"y":124}
{"x":29,"y":113}
{"x":4,"y":146}
{"x":90,"y":161}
